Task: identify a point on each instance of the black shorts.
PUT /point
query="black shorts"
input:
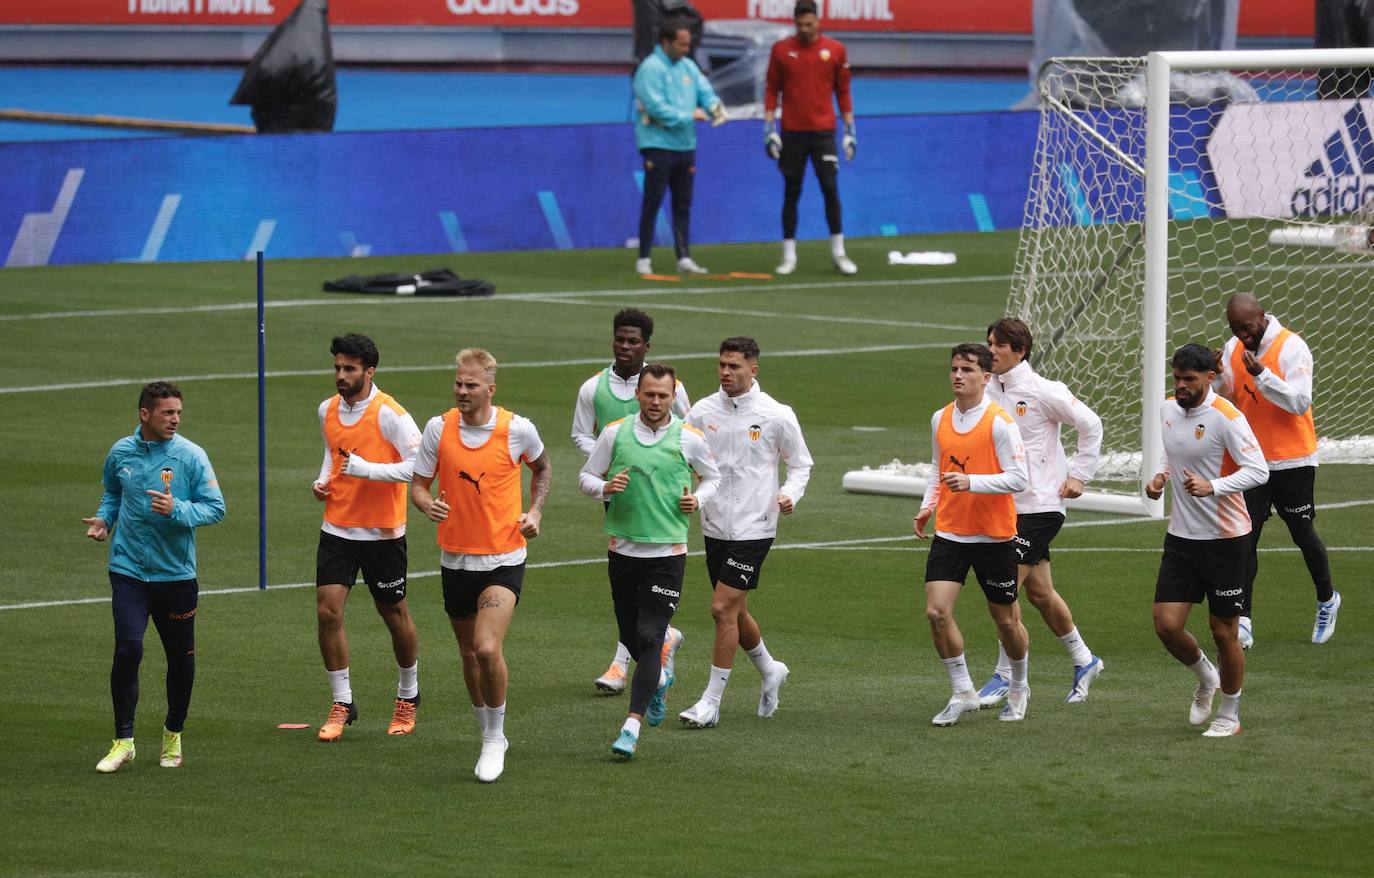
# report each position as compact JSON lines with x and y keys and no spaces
{"x":1034,"y":533}
{"x":799,"y":147}
{"x":655,"y":580}
{"x":993,"y":563}
{"x":462,"y":588}
{"x":1290,"y":491}
{"x":736,"y":563}
{"x":1191,"y":569}
{"x":383,"y":563}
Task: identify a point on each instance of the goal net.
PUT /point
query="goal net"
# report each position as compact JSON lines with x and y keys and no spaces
{"x":1161,"y":186}
{"x":1263,"y":186}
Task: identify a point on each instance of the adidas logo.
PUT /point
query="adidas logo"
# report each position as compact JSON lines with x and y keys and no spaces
{"x":1340,"y":180}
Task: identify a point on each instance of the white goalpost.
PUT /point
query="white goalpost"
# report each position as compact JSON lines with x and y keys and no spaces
{"x":1162,"y":185}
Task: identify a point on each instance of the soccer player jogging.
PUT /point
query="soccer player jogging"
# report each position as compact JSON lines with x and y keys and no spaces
{"x":1040,"y":407}
{"x":811,"y":72}
{"x":608,"y":396}
{"x":476,"y":450}
{"x":159,"y":487}
{"x":1266,"y":371}
{"x":1211,"y":455}
{"x":672,"y":95}
{"x":644,"y":466}
{"x":369,"y":457}
{"x":748,"y":432}
{"x":979,"y":463}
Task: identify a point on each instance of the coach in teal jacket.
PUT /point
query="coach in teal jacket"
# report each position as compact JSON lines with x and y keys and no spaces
{"x":159,"y":487}
{"x":149,"y":546}
{"x":671,"y":95}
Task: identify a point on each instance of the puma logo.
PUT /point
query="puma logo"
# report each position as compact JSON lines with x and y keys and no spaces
{"x":959,"y":463}
{"x":476,"y":483}
{"x":1250,"y":390}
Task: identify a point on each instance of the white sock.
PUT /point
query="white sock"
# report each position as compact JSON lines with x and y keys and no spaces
{"x":631,"y":726}
{"x":789,"y":249}
{"x":1018,"y":671}
{"x":1003,"y":668}
{"x":622,"y":656}
{"x":662,"y":677}
{"x":760,"y":657}
{"x":716,"y":688}
{"x":409,"y":685}
{"x":958,"y":673}
{"x":496,"y":723}
{"x":1078,"y":651}
{"x":479,"y":712}
{"x":1230,"y":706}
{"x":1206,"y":672}
{"x":338,"y":682}
{"x":837,"y":245}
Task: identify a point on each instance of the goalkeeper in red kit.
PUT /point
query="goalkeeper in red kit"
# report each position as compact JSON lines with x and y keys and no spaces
{"x":810,"y":72}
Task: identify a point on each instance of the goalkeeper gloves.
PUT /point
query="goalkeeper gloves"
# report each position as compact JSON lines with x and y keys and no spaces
{"x":850,"y":142}
{"x":772,"y":143}
{"x":718,"y":117}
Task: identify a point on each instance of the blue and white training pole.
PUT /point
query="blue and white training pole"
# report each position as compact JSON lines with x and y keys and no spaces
{"x":262,"y":432}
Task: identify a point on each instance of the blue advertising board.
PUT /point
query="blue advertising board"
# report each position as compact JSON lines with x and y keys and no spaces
{"x":400,"y":192}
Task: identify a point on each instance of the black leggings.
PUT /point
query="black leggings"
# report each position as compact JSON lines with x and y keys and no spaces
{"x":664,"y":169}
{"x":1291,"y":493}
{"x":172,"y":606}
{"x":819,"y":148}
{"x":646,"y":593}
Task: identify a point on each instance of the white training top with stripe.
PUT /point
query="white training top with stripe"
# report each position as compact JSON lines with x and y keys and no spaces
{"x":1040,"y":407}
{"x":1199,"y":440}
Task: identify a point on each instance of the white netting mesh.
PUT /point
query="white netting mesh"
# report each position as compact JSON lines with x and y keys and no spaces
{"x":1270,"y":191}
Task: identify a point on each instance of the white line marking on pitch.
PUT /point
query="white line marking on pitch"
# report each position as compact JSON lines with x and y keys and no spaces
{"x":738,"y":312}
{"x":448,"y":367}
{"x":856,"y":544}
{"x":354,"y":300}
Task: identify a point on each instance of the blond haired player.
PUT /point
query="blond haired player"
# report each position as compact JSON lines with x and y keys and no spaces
{"x":369,"y":449}
{"x":979,"y":463}
{"x":476,"y":450}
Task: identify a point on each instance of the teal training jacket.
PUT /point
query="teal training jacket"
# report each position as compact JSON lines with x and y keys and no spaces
{"x":146,"y":545}
{"x":668,"y":91}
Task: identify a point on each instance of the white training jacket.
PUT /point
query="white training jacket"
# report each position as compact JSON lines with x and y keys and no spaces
{"x":1199,"y":439}
{"x":1040,"y":407}
{"x":1292,"y":392}
{"x":404,"y":436}
{"x":748,"y":435}
{"x":1011,"y":457}
{"x":584,"y":411}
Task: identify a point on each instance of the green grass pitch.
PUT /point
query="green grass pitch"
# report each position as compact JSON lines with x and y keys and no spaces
{"x":849,"y":777}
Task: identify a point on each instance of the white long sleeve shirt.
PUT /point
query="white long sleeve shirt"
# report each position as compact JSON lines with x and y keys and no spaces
{"x":592,"y":479}
{"x":1011,"y":457}
{"x":523,"y":443}
{"x":1292,"y":392}
{"x":584,"y":412}
{"x":748,"y":435}
{"x":397,"y":429}
{"x":1199,"y":440}
{"x":1040,"y":408}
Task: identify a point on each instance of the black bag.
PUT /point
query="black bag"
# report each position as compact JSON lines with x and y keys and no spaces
{"x":650,"y":14}
{"x":290,"y":81}
{"x":439,"y":282}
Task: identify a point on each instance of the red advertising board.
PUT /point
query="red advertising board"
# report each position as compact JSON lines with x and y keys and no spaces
{"x":1257,"y":17}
